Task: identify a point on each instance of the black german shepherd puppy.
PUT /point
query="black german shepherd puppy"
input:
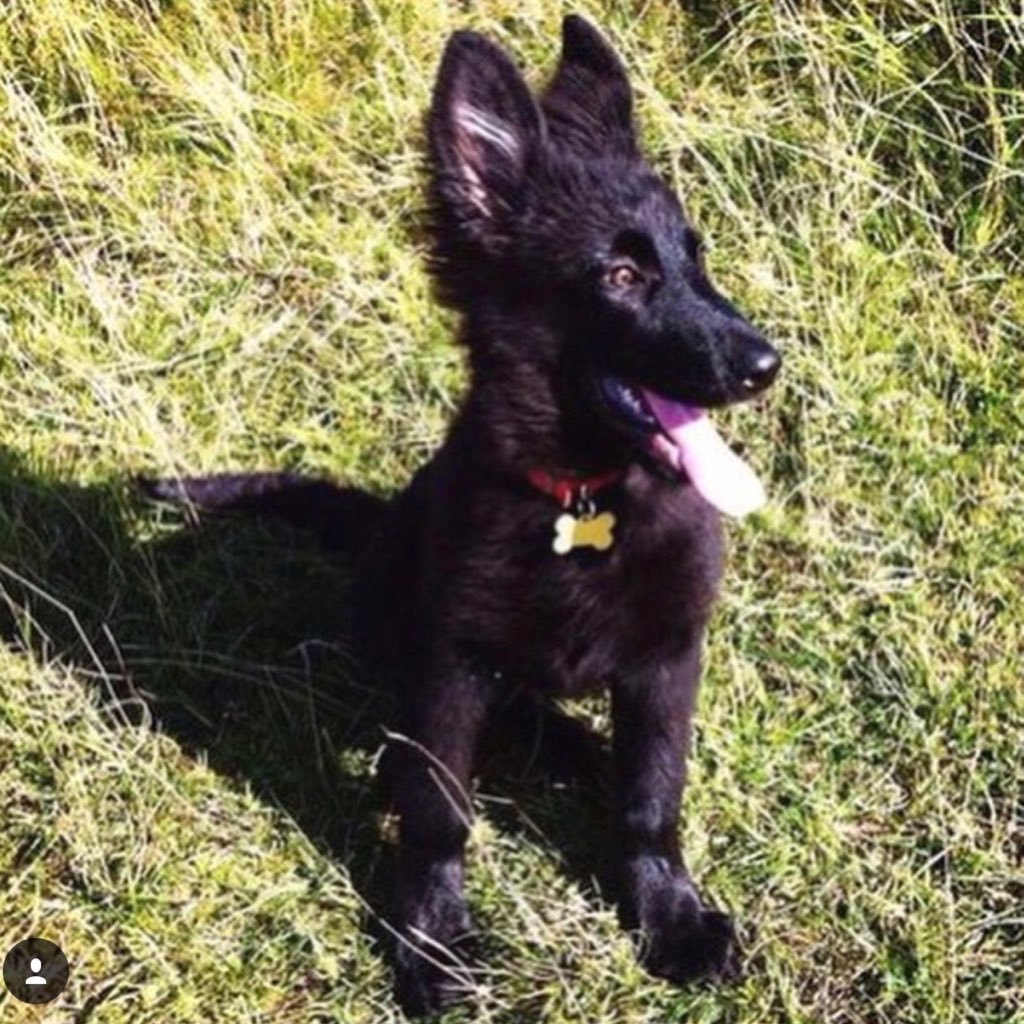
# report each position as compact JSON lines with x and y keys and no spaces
{"x":565,"y":536}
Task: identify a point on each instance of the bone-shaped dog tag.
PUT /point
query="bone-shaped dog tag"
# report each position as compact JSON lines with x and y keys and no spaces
{"x":585,"y":532}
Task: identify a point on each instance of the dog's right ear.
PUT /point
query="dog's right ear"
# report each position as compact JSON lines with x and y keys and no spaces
{"x":589,"y":104}
{"x":482,"y":128}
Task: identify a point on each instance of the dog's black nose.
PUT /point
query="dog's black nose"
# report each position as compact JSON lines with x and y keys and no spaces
{"x":761,"y":368}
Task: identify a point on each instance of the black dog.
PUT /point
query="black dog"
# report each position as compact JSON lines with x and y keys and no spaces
{"x":565,"y":536}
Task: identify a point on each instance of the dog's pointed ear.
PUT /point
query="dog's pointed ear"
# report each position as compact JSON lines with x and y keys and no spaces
{"x":483,"y":126}
{"x":589,"y":104}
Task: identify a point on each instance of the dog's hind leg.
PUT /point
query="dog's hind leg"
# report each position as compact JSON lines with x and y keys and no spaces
{"x":651,"y":715}
{"x":429,"y":776}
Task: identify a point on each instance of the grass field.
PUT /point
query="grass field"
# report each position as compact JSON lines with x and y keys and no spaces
{"x":210,"y":260}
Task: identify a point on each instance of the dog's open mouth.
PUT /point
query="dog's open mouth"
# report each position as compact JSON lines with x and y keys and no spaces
{"x":682,"y":437}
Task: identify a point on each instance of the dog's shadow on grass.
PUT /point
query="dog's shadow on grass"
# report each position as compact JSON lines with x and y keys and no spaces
{"x":237,"y":640}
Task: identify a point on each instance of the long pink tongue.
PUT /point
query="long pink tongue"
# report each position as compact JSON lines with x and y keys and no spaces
{"x":721,"y":477}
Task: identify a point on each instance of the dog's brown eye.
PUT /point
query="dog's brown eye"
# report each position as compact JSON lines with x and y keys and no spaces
{"x":622,"y":275}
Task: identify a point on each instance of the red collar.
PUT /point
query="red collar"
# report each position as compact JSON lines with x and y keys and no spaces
{"x":568,"y":490}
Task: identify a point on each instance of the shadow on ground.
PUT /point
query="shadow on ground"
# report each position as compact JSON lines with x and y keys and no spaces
{"x":236,"y":639}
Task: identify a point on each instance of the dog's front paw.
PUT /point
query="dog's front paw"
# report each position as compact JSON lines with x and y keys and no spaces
{"x":681,"y":939}
{"x":431,"y":967}
{"x":704,"y":947}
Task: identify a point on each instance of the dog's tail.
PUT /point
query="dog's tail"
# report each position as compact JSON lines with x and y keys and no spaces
{"x":342,"y":518}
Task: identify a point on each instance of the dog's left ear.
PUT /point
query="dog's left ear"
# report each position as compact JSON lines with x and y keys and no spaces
{"x":482,"y":128}
{"x":589,"y":105}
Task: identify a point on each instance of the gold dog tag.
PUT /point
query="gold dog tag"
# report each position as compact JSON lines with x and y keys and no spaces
{"x":589,"y":531}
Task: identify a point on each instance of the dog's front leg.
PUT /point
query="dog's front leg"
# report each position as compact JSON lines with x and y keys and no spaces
{"x":430,"y":777}
{"x":680,"y":937}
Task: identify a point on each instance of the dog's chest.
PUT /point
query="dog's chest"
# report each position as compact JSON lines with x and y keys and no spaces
{"x":570,"y":619}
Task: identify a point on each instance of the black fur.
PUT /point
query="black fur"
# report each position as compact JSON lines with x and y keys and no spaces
{"x":533,"y":206}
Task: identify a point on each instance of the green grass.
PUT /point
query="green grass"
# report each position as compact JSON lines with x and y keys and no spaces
{"x":210,"y":260}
